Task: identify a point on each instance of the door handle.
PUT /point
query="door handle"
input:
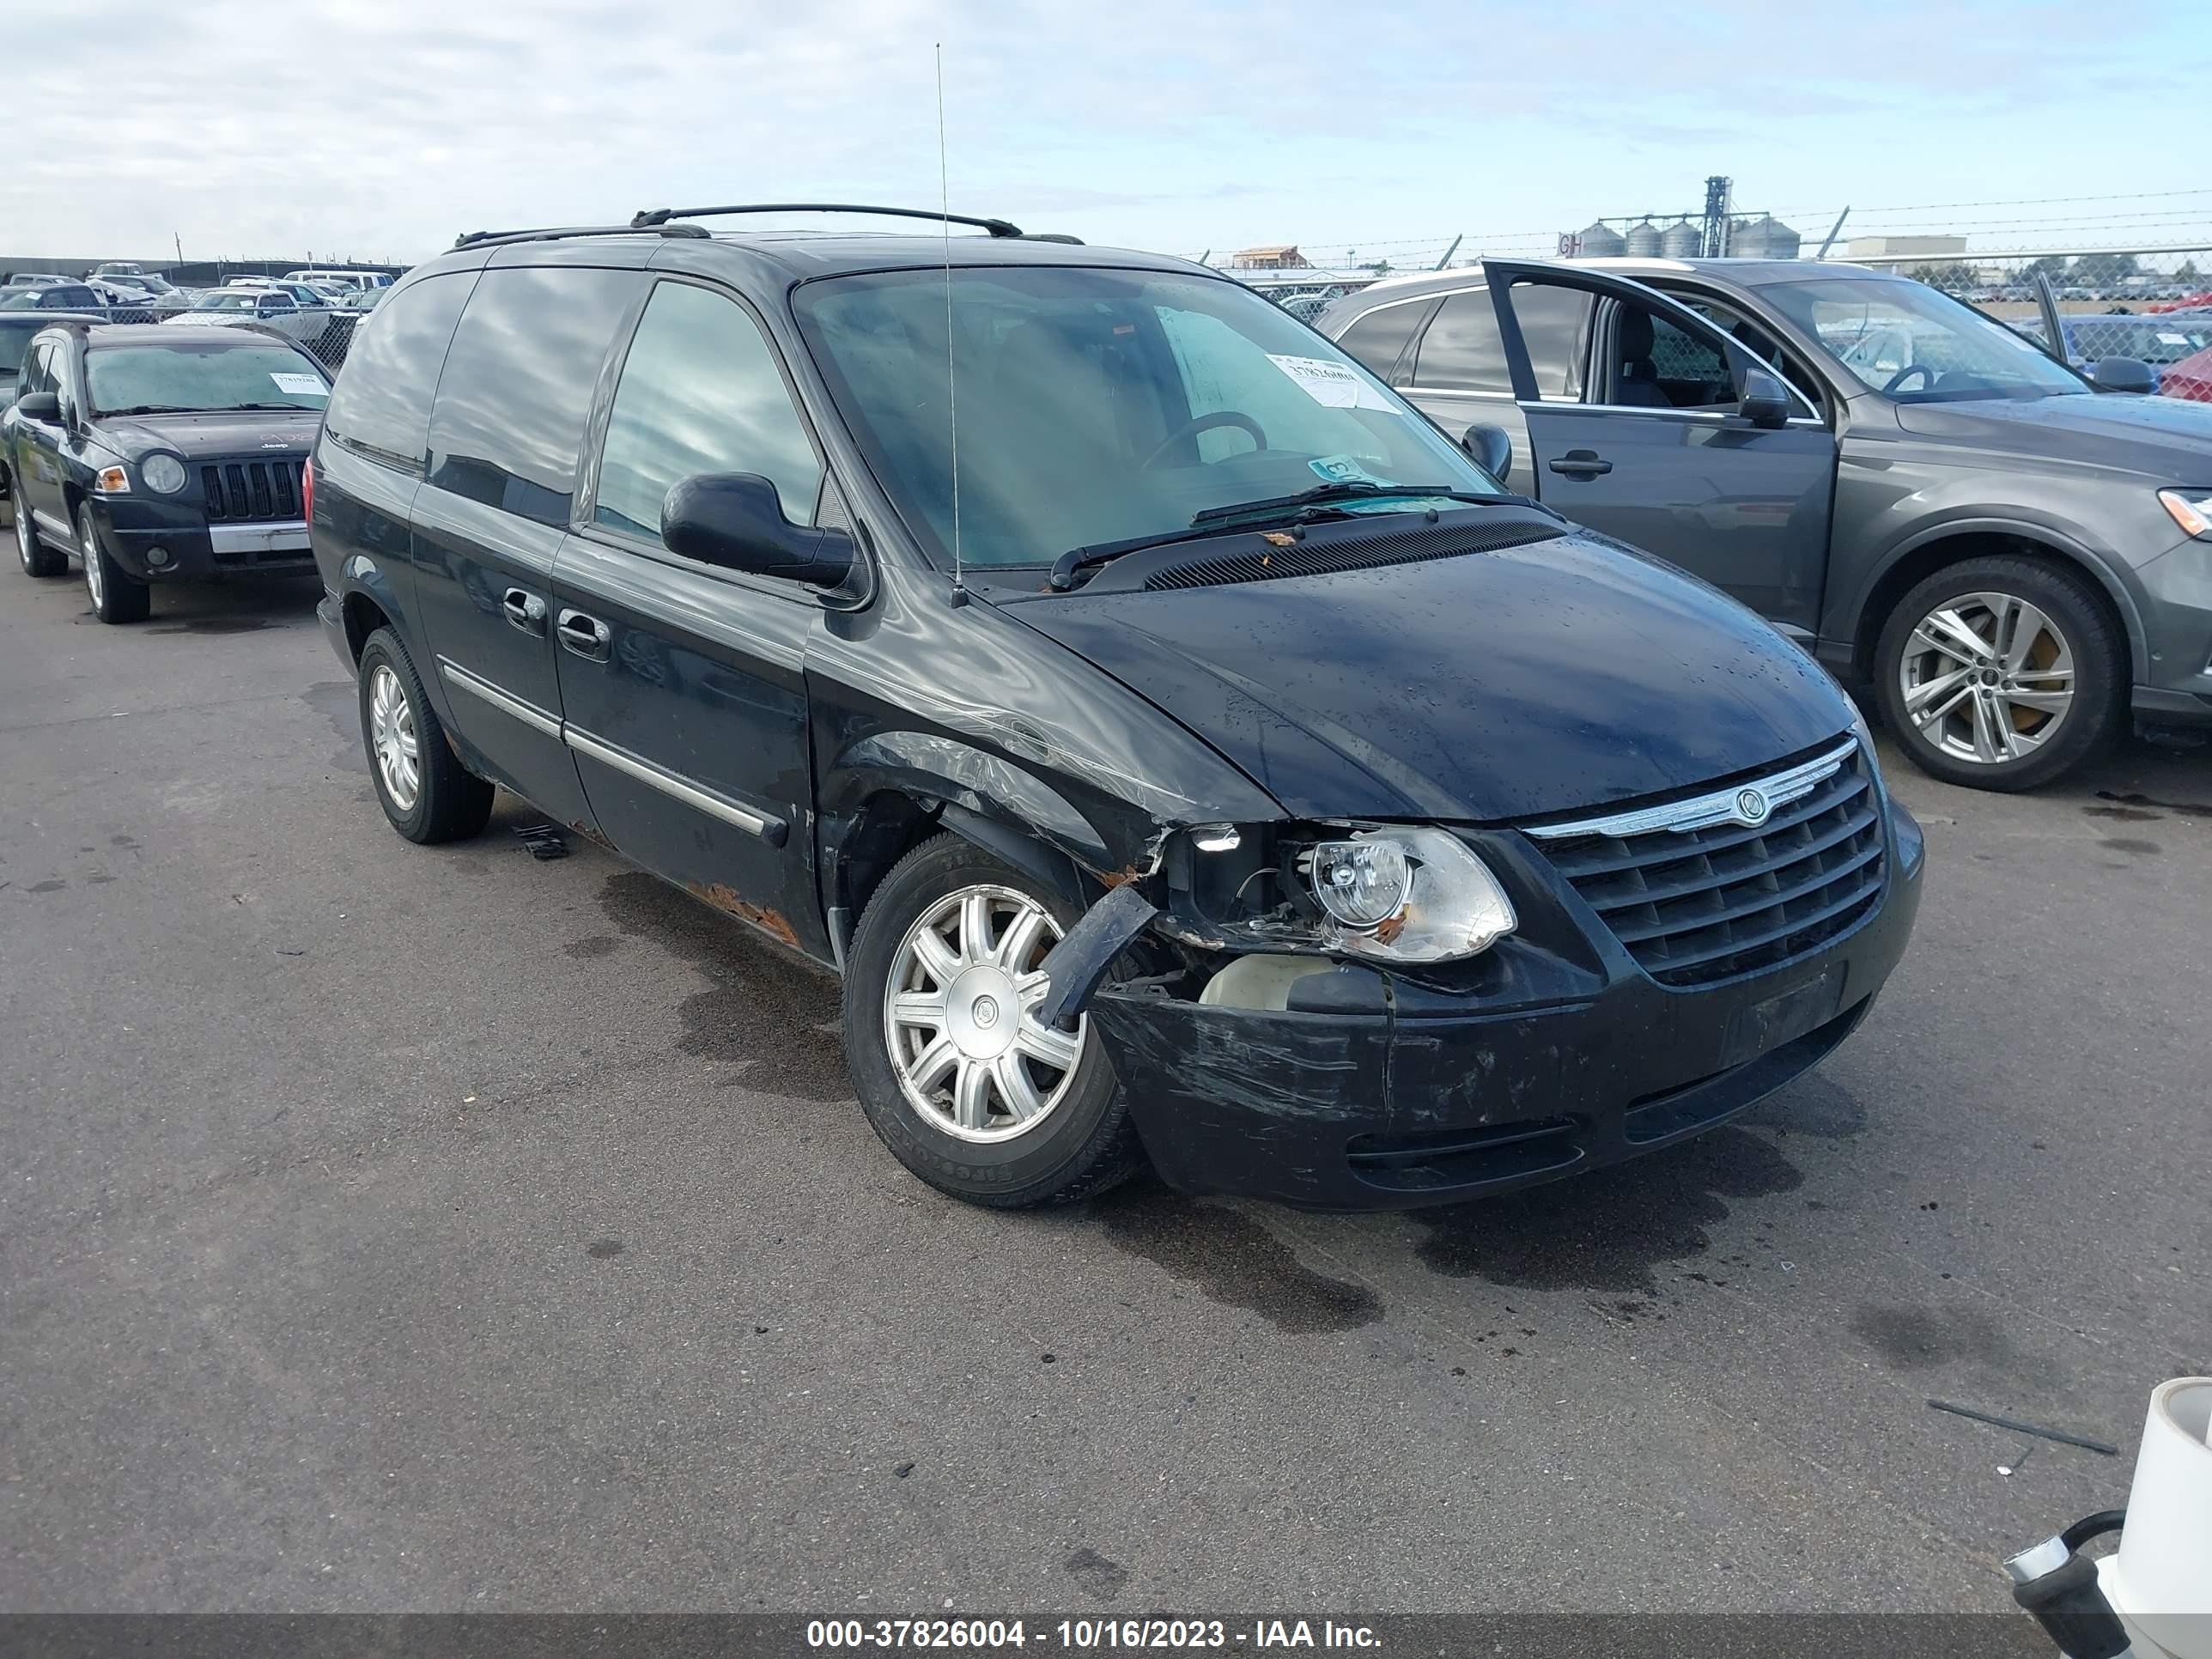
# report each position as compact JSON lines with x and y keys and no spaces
{"x":524,"y":610}
{"x":1581,"y":464}
{"x":587,"y":636}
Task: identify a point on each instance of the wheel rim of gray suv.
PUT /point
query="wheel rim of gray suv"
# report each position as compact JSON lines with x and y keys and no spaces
{"x":22,"y":514}
{"x":971,"y":1056}
{"x":392,"y":733}
{"x":1987,"y":678}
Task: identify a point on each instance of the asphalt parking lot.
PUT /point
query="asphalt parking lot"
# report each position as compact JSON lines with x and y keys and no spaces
{"x":395,"y":1228}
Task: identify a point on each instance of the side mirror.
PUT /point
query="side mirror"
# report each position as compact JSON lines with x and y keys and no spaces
{"x":2123,"y":374}
{"x":1491,"y":447}
{"x":735,"y":519}
{"x":40,"y":406}
{"x":1764,"y":402}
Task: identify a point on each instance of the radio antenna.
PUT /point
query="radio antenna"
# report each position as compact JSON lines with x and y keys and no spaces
{"x":952,"y":391}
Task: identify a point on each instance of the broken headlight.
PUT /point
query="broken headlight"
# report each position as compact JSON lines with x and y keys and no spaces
{"x":1402,"y":894}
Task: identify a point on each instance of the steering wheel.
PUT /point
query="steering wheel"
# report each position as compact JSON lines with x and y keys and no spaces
{"x":1926,"y":373}
{"x":1192,"y":427}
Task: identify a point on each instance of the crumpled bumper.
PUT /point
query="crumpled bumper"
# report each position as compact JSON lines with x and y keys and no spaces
{"x":1424,"y":1097}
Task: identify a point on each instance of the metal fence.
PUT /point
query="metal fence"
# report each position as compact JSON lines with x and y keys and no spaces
{"x":326,"y":336}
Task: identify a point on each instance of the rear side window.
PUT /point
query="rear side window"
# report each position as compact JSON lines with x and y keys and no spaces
{"x":381,"y":405}
{"x":1462,"y":351}
{"x":700,"y":392}
{"x":1378,"y":338}
{"x":509,"y":420}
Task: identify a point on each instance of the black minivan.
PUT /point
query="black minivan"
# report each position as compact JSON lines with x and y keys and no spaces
{"x":1183,"y":751}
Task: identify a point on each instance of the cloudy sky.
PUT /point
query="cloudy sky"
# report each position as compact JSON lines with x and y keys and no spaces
{"x":380,"y":128}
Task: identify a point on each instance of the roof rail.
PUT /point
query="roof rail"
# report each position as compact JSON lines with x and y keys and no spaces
{"x":482,"y":238}
{"x":653,"y":217}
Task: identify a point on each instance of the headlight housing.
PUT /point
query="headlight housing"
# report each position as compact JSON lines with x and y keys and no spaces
{"x":1405,"y":894}
{"x":164,"y":474}
{"x":2191,"y":509}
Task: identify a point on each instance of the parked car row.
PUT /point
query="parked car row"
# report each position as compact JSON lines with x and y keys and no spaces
{"x":2011,"y":555}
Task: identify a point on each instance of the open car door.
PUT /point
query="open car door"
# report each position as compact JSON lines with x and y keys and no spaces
{"x":1678,"y":439}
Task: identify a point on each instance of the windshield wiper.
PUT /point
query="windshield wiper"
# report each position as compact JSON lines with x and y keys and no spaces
{"x":151,"y":409}
{"x":1341,"y":489}
{"x":227,"y":407}
{"x":1214,"y":520}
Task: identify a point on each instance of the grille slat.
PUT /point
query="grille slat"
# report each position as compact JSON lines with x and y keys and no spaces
{"x":1698,"y":906}
{"x":246,"y":492}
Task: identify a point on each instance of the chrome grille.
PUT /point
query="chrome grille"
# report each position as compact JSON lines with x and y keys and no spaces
{"x":1727,"y":895}
{"x":243,"y":492}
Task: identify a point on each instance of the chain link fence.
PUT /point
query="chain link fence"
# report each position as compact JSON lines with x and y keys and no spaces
{"x":2153,"y":304}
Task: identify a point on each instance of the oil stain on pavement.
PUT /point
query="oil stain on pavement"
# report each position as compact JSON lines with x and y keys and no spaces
{"x":1231,"y":1259}
{"x":1609,"y":1232}
{"x":1924,"y":1339}
{"x":762,"y":1003}
{"x":339,"y":701}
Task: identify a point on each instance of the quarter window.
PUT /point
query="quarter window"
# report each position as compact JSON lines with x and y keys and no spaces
{"x":700,"y":392}
{"x":381,"y":405}
{"x":509,"y":422}
{"x":1378,"y":339}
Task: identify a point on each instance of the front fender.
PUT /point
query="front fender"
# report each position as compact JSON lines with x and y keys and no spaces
{"x":946,"y":772}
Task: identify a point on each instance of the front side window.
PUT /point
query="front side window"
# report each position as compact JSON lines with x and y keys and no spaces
{"x":196,"y":375}
{"x":508,"y":424}
{"x":1099,"y":405}
{"x":1917,"y":344}
{"x":700,"y":392}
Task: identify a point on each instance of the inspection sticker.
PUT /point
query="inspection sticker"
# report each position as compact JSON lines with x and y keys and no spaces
{"x":301,"y":385}
{"x":1331,"y":385}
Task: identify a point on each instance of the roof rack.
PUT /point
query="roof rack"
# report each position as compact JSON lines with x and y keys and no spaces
{"x":482,"y":238}
{"x":653,"y":217}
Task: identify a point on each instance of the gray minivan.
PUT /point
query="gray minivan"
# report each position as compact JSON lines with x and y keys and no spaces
{"x":2016,"y":558}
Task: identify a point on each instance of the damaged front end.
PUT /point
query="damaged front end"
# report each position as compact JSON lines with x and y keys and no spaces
{"x":1346,"y":1015}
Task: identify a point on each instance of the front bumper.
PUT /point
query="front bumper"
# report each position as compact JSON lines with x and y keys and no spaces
{"x":1429,"y":1097}
{"x":131,"y":528}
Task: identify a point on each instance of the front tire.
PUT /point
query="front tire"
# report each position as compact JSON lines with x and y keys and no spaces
{"x":425,"y":791}
{"x":39,"y":559}
{"x":117,"y":596}
{"x":968,"y":1090}
{"x":2002,"y":673}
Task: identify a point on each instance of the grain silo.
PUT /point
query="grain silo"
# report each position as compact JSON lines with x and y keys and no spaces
{"x":1682,"y":240}
{"x":1642,"y":241}
{"x":1763,"y":237}
{"x":1600,"y":241}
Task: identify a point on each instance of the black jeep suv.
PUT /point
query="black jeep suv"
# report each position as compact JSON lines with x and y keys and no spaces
{"x":160,"y":454}
{"x":1181,"y":747}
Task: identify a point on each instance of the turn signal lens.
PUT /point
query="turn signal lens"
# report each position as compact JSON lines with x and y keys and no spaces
{"x":307,"y":490}
{"x":2191,"y":510}
{"x":111,"y":481}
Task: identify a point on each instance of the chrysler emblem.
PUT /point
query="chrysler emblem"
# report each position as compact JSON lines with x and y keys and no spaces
{"x":1752,"y":806}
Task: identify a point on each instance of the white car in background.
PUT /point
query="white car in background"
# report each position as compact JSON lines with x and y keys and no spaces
{"x":265,"y":305}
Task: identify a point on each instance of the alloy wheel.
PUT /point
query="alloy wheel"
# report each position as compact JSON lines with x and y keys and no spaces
{"x":95,"y":580}
{"x":1987,"y":678}
{"x":960,"y":1016}
{"x":392,"y":735}
{"x":22,"y":514}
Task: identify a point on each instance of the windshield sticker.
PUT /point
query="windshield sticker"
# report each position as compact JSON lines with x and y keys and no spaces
{"x":301,"y":385}
{"x":1343,"y":469}
{"x":1333,"y":385}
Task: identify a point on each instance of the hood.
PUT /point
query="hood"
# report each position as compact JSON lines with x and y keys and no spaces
{"x":2165,"y":439}
{"x":229,"y":433}
{"x":1543,"y":678}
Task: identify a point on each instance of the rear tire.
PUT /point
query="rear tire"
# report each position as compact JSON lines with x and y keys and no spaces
{"x":2002,"y":672}
{"x":39,"y":559}
{"x":117,"y":596}
{"x":1079,"y":1140}
{"x":425,"y":791}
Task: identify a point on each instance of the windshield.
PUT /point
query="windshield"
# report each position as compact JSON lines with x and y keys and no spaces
{"x":13,"y":343}
{"x":197,"y":376}
{"x":227,"y":298}
{"x":1099,"y":406}
{"x":1918,"y":344}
